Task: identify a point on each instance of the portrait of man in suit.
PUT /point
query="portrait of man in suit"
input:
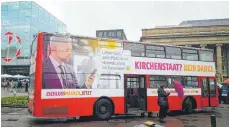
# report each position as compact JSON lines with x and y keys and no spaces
{"x":57,"y":73}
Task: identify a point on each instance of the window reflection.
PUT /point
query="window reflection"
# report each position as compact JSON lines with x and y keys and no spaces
{"x":206,"y":55}
{"x":190,"y":82}
{"x":212,"y":87}
{"x":155,"y":51}
{"x":173,"y":52}
{"x":24,"y":4}
{"x":204,"y":88}
{"x":136,"y":49}
{"x":157,"y":80}
{"x":23,"y":19}
{"x":189,"y":54}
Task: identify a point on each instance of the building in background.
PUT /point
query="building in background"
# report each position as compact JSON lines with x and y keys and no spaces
{"x":212,"y":33}
{"x":112,"y":34}
{"x":20,"y":22}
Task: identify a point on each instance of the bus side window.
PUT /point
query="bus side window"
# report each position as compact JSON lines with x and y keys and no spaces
{"x":212,"y":87}
{"x":204,"y":87}
{"x":206,"y":55}
{"x":190,"y":54}
{"x":173,"y":53}
{"x":157,"y":80}
{"x":155,"y":51}
{"x":190,"y":82}
{"x":170,"y":79}
{"x":137,"y":49}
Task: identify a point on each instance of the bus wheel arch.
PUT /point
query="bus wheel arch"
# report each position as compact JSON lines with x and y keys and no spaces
{"x":103,"y":108}
{"x":189,"y":104}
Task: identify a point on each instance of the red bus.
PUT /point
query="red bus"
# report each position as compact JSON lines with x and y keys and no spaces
{"x":83,"y":76}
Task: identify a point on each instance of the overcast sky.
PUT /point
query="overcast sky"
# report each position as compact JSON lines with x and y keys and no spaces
{"x":84,"y":18}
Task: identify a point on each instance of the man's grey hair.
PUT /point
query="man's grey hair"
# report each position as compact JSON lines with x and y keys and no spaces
{"x":63,"y":39}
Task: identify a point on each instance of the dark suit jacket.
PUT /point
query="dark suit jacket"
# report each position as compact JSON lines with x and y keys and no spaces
{"x":51,"y":79}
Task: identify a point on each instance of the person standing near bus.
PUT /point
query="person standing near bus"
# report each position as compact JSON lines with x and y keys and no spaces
{"x":57,"y":73}
{"x":8,"y":85}
{"x":227,"y":99}
{"x":163,"y":102}
{"x":220,"y":94}
{"x":26,"y":86}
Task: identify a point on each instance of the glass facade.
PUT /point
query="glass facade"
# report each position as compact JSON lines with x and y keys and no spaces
{"x":24,"y":19}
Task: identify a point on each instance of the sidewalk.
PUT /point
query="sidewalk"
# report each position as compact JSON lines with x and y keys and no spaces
{"x":7,"y":92}
{"x":224,"y":106}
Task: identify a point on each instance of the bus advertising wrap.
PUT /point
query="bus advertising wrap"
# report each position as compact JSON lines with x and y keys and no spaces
{"x":77,"y":67}
{"x":76,"y":63}
{"x":156,"y":66}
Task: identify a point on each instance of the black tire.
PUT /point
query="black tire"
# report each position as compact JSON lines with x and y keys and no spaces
{"x":188,"y":106}
{"x":103,"y":109}
{"x":150,"y":114}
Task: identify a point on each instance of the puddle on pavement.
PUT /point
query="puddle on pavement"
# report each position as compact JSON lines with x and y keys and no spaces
{"x":11,"y":120}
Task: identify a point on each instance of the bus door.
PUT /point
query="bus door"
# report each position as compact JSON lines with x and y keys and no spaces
{"x":208,"y":92}
{"x":135,"y":87}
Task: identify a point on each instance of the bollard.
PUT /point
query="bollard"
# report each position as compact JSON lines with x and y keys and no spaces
{"x":213,"y":120}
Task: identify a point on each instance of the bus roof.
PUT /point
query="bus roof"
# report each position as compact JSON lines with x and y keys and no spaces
{"x":98,"y":38}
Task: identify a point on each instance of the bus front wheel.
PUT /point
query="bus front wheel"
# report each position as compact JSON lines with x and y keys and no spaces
{"x":103,"y":109}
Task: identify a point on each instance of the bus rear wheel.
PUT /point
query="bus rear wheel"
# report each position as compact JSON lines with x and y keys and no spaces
{"x":188,"y":106}
{"x":103,"y":109}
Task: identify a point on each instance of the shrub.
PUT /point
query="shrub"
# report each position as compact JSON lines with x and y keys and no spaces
{"x":15,"y":101}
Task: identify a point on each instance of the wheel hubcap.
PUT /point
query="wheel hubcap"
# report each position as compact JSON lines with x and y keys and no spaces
{"x":103,"y":109}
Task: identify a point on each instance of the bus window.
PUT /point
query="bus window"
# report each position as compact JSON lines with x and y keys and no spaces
{"x":135,"y":48}
{"x":109,"y":81}
{"x":132,"y":82}
{"x":189,"y":54}
{"x":157,"y":80}
{"x":32,"y":81}
{"x":190,"y":82}
{"x":173,"y":52}
{"x":206,"y":55}
{"x":34,"y":45}
{"x":33,"y":63}
{"x":170,"y":80}
{"x":135,"y":82}
{"x":155,"y":51}
{"x":212,"y":87}
{"x":205,"y":88}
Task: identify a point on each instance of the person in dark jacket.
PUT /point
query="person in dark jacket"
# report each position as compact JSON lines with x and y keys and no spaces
{"x":220,"y":94}
{"x":227,"y":99}
{"x":162,"y":102}
{"x":26,"y":86}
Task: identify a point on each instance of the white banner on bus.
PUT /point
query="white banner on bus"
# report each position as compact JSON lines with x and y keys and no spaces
{"x":156,"y":66}
{"x":192,"y":91}
{"x":80,"y":93}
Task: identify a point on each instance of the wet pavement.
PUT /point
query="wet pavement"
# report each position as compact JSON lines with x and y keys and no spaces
{"x":19,"y":117}
{"x":5,"y":92}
